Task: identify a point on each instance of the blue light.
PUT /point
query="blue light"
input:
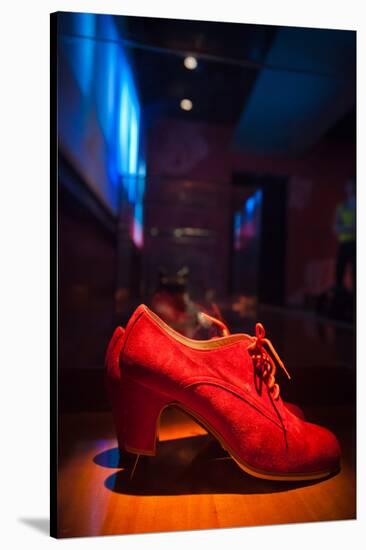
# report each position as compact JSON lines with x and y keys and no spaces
{"x":142,"y":168}
{"x":138,"y":223}
{"x":106,"y":87}
{"x":237,"y":222}
{"x":250,"y":206}
{"x":129,"y":134}
{"x":139,"y":213}
{"x":81,"y":51}
{"x":124,"y":112}
{"x":102,"y":113}
{"x":134,"y":140}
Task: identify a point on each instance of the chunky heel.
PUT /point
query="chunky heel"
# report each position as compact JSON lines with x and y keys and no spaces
{"x":138,"y":417}
{"x":136,"y":409}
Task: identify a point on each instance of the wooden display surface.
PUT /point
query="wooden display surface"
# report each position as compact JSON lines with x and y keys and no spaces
{"x":190,"y":484}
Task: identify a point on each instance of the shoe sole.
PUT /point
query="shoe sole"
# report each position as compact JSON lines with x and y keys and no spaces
{"x":242,"y":465}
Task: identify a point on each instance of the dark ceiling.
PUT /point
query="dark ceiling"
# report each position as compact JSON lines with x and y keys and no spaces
{"x":345,"y":129}
{"x":218,"y":87}
{"x":281,"y":87}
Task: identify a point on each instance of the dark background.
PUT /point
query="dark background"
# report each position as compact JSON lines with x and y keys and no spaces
{"x":273,"y":112}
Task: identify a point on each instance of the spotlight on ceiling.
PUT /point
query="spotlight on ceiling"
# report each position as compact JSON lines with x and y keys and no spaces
{"x":190,"y":62}
{"x":186,"y":104}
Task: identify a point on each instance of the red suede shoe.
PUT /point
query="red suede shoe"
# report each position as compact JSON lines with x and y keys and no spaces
{"x":226,"y":384}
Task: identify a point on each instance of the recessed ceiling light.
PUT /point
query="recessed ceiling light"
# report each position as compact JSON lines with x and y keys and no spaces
{"x":190,"y":62}
{"x":186,"y":104}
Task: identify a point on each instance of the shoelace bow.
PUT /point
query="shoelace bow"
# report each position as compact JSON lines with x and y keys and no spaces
{"x":264,"y":361}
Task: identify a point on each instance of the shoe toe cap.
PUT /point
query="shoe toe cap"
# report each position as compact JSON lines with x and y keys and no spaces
{"x":322,"y":449}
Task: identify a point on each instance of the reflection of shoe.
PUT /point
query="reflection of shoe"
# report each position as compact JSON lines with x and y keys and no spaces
{"x":227,"y":384}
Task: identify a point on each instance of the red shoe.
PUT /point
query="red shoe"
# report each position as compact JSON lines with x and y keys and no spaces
{"x":294,"y":409}
{"x":226,"y":384}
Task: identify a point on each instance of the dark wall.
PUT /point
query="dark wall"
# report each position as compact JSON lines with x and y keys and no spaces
{"x":186,"y":224}
{"x":263,"y":255}
{"x":186,"y":156}
{"x":187,"y":206}
{"x":87,"y":275}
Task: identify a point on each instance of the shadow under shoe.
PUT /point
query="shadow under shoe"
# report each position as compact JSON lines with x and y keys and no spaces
{"x":191,"y":465}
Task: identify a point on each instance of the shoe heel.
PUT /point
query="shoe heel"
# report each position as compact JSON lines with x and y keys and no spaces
{"x":138,"y":418}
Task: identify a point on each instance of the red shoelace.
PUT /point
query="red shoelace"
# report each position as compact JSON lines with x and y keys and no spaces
{"x":263,"y":359}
